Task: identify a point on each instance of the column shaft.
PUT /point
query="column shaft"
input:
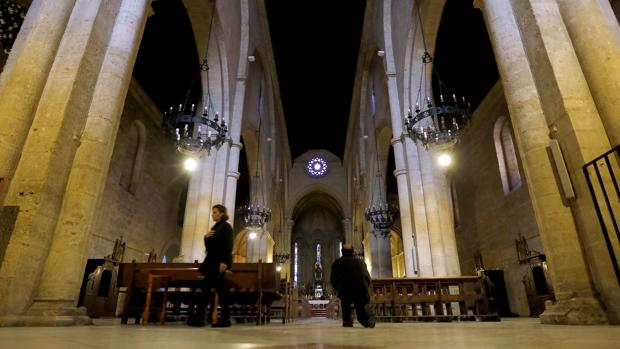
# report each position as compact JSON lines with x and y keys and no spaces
{"x":423,"y":246}
{"x":595,"y":34}
{"x":63,"y":273}
{"x":575,"y":302}
{"x":42,"y":172}
{"x":24,"y":77}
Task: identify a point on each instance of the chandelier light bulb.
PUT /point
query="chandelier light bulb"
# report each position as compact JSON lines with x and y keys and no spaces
{"x":279,"y":268}
{"x":190,"y":164}
{"x":444,"y":160}
{"x":252,"y":235}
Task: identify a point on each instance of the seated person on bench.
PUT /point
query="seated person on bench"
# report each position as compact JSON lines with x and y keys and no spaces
{"x":351,"y":280}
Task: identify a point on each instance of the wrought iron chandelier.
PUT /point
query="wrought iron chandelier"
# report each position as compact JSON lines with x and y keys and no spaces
{"x":197,"y":134}
{"x":256,"y":213}
{"x":281,"y":258}
{"x":436,"y":124}
{"x":380,"y":213}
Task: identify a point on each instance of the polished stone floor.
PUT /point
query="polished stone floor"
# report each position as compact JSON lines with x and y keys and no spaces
{"x":511,"y":333}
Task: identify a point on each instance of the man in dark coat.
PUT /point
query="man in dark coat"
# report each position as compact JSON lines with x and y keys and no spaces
{"x":218,"y":243}
{"x":351,"y":280}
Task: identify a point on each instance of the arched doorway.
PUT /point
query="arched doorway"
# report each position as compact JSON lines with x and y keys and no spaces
{"x":316,"y":239}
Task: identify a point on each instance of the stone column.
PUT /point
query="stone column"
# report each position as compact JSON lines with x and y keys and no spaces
{"x":189,"y":220}
{"x":431,"y":204}
{"x":232,"y":174}
{"x":288,"y":235}
{"x":348,"y":230}
{"x":384,"y":247}
{"x":401,"y":174}
{"x":64,"y":269}
{"x":594,"y":31}
{"x":575,"y":299}
{"x":405,"y":211}
{"x":24,"y":77}
{"x":446,"y":222}
{"x":572,"y":113}
{"x":200,"y":210}
{"x":422,"y":242}
{"x":43,"y":170}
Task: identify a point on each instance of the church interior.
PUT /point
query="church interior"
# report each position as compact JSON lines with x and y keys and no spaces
{"x":468,"y":151}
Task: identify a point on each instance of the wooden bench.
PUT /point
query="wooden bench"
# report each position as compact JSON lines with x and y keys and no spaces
{"x":430,"y":299}
{"x":253,"y":287}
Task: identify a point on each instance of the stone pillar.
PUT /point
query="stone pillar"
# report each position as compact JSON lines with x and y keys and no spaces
{"x":260,"y":248}
{"x":231,"y":177}
{"x":43,"y":170}
{"x":571,"y":112}
{"x":401,"y":175}
{"x":384,"y":247}
{"x":422,"y":242}
{"x":575,"y":303}
{"x":594,"y":31}
{"x":62,"y":276}
{"x":24,"y":77}
{"x":446,"y":222}
{"x":288,"y":235}
{"x":405,"y":210}
{"x":189,"y":220}
{"x":198,"y":210}
{"x":232,"y":174}
{"x":348,"y":230}
{"x":431,"y":204}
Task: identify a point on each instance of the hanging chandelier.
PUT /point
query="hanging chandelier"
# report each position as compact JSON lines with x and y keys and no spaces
{"x":379,"y":213}
{"x":196,"y":134}
{"x":256,"y":214}
{"x":381,"y":216}
{"x":281,"y":258}
{"x":436,"y":124}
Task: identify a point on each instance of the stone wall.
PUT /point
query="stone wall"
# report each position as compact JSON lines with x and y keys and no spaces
{"x":141,"y":200}
{"x":488,"y":220}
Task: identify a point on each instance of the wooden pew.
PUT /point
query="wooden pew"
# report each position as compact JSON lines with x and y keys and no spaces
{"x":253,"y":287}
{"x":430,"y":299}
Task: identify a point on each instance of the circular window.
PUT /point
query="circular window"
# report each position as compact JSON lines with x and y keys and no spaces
{"x":317,"y":167}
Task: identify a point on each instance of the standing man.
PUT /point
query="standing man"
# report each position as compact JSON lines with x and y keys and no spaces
{"x":218,"y":244}
{"x":351,"y":280}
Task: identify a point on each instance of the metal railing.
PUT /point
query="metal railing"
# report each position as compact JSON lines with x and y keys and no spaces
{"x":603,"y":168}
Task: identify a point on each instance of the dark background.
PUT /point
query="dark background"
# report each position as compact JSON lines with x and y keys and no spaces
{"x":316,"y":46}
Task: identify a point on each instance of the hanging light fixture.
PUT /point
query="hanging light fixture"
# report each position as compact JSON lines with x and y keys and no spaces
{"x":380,"y":213}
{"x":256,"y":213}
{"x":281,"y":258}
{"x":197,"y":134}
{"x":436,"y":124}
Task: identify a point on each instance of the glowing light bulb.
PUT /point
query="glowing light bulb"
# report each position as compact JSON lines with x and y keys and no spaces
{"x":190,"y":164}
{"x":444,"y":160}
{"x":252,"y":235}
{"x":279,"y":268}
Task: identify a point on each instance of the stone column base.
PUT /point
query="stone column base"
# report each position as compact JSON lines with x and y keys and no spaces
{"x":44,"y":321}
{"x":574,"y":311}
{"x":49,"y":313}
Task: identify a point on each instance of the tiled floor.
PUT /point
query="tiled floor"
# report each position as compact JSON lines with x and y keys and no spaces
{"x":512,"y":333}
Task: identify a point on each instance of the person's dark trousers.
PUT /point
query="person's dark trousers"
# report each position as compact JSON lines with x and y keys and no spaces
{"x":362,"y":315}
{"x":217,"y":281}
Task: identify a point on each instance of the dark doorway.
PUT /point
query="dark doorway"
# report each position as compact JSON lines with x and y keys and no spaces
{"x":501,"y":296}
